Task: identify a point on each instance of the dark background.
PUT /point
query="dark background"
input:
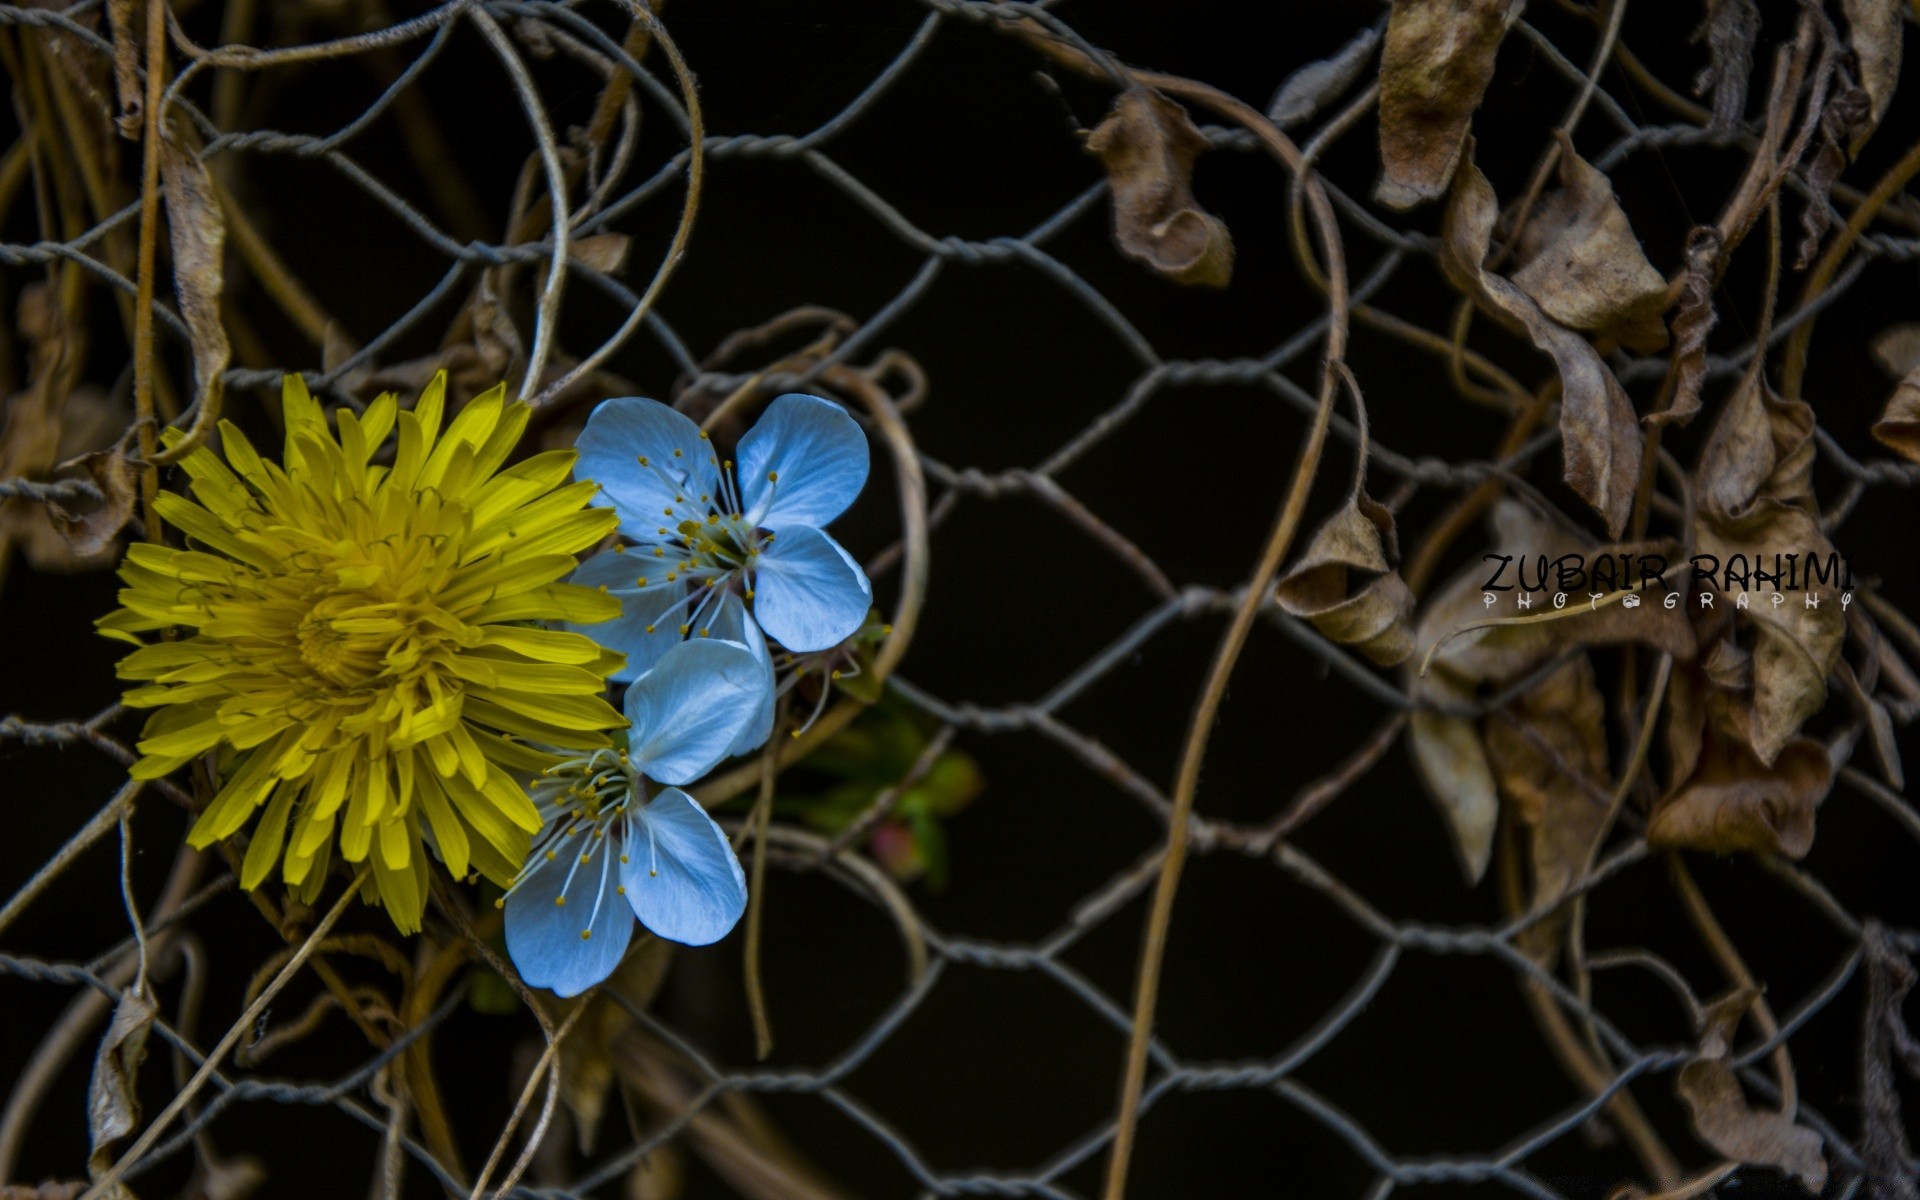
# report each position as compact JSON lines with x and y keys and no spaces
{"x":1001,"y":1069}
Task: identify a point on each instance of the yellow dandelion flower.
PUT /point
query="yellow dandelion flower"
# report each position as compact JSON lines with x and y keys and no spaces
{"x":361,"y":645}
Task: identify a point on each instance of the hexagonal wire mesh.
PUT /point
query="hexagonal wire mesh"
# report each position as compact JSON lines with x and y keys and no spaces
{"x":1026,"y":585}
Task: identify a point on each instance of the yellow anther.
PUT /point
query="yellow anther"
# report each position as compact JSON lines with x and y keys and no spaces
{"x":683,"y":630}
{"x":707,"y":632}
{"x":620,"y":548}
{"x":794,"y":733}
{"x":586,"y":935}
{"x":667,"y":511}
{"x":551,"y":856}
{"x":836,"y":674}
{"x":749,"y":593}
{"x":659,"y":553}
{"x":500,"y":903}
{"x":623,"y":859}
{"x":886,"y":630}
{"x":585,"y":859}
{"x":649,"y":629}
{"x":559,"y":901}
{"x":703,"y":435}
{"x":679,"y":499}
{"x":712,"y":518}
{"x":640,"y":582}
{"x":729,"y":464}
{"x":672,"y":575}
{"x":773,"y":477}
{"x":621,"y":889}
{"x":677,"y":454}
{"x":644,"y":462}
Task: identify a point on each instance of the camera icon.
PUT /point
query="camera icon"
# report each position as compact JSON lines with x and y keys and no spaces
{"x":1632,"y":601}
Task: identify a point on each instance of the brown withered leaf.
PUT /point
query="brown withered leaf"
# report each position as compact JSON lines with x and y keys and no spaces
{"x":1724,"y":799}
{"x":1319,"y":83}
{"x":113,"y":1100}
{"x":1755,"y":491}
{"x":1599,"y":434}
{"x":1149,"y":144}
{"x":1583,"y":266}
{"x":604,"y":252}
{"x":1453,"y":764}
{"x":1434,"y":72}
{"x":1881,"y":734}
{"x":1897,"y":348}
{"x":1846,"y":119}
{"x":1874,"y":32}
{"x":1898,"y":428}
{"x":1549,"y":756}
{"x":126,"y":66}
{"x":1729,"y":31}
{"x":91,"y":531}
{"x":1761,"y":448}
{"x":1723,"y":1118}
{"x":1885,"y":1040}
{"x":1795,"y":647}
{"x":197,"y":231}
{"x":1359,"y":538}
{"x":1693,"y":319}
{"x":1453,"y":760}
{"x":586,"y":1058}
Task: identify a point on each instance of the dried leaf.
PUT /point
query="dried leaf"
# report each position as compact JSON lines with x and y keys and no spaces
{"x":1599,"y":434}
{"x":1453,"y":764}
{"x":604,"y":252}
{"x":1754,"y":485}
{"x":1733,"y":803}
{"x":92,"y":532}
{"x":1434,"y":72}
{"x":1897,"y":349}
{"x":1373,"y":619}
{"x":1582,"y":264}
{"x":586,"y":1058}
{"x":1319,"y":83}
{"x":1148,"y":144}
{"x":1898,"y":428}
{"x":113,"y":1101}
{"x":1730,"y":30}
{"x":1879,"y":722}
{"x":1549,"y":755}
{"x":1885,"y":1039}
{"x":1723,"y":1118}
{"x":126,"y":66}
{"x":1873,"y":31}
{"x":1693,"y":320}
{"x":1844,"y":120}
{"x":1761,"y":448}
{"x":198,"y":233}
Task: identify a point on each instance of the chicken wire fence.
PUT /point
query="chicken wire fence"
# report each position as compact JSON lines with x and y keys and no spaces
{"x":87,"y":58}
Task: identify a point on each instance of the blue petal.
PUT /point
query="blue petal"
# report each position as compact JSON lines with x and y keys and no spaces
{"x":618,"y":434}
{"x":809,"y":593}
{"x":691,"y":707}
{"x":640,"y":607}
{"x":735,"y":624}
{"x":817,"y":451}
{"x":681,"y":875}
{"x":544,"y":938}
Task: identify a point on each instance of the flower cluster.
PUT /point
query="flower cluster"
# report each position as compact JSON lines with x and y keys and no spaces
{"x":371,"y":659}
{"x":717,"y":562}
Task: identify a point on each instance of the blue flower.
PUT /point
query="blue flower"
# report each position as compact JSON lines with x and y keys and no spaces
{"x":610,"y":851}
{"x":715,"y":553}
